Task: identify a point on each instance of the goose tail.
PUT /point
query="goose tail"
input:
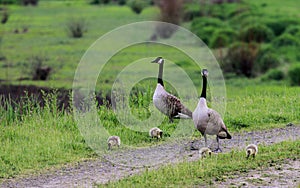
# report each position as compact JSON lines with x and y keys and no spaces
{"x":187,"y":112}
{"x":182,"y":116}
{"x":224,"y":134}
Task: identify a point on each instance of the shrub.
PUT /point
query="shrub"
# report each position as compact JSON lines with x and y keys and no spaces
{"x":279,"y":25}
{"x":285,"y":40}
{"x":38,"y":70}
{"x":5,"y":16}
{"x":240,"y":58}
{"x":294,"y":74}
{"x":222,"y":38}
{"x":29,"y":2}
{"x":191,"y":11}
{"x":97,"y":2}
{"x":273,"y":74}
{"x":137,"y":6}
{"x":257,"y":33}
{"x":293,"y":30}
{"x":76,"y":27}
{"x":266,"y":62}
{"x":219,"y":41}
{"x":204,"y":27}
{"x":239,"y":11}
{"x":121,"y":2}
{"x":245,"y":19}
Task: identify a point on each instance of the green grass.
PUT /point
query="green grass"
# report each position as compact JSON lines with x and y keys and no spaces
{"x":47,"y":37}
{"x":261,"y":106}
{"x":218,"y":168}
{"x":34,"y":138}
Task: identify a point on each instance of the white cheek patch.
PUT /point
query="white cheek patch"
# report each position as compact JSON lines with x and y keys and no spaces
{"x":160,"y":61}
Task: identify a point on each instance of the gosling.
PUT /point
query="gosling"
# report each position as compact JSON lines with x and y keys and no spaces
{"x":251,"y":149}
{"x":113,"y":141}
{"x":203,"y":152}
{"x":156,"y":132}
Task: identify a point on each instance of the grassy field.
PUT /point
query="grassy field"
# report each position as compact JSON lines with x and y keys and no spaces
{"x":34,"y":138}
{"x":47,"y":37}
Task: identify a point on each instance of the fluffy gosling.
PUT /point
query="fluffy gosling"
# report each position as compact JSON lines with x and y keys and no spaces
{"x":203,"y":152}
{"x":113,"y":141}
{"x":156,"y":132}
{"x":251,"y":149}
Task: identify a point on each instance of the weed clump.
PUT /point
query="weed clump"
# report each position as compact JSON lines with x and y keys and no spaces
{"x":76,"y":27}
{"x":273,"y":74}
{"x":267,"y":61}
{"x":294,"y":74}
{"x":256,"y":33}
{"x":280,"y":25}
{"x":222,"y":38}
{"x":137,"y":6}
{"x":285,"y":40}
{"x":240,"y":58}
{"x":39,"y":71}
{"x":205,"y":27}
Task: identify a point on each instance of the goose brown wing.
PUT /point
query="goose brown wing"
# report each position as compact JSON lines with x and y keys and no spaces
{"x":176,"y":106}
{"x":216,"y":121}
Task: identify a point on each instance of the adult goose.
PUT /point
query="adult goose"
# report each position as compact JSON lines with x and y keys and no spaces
{"x":207,"y":120}
{"x":165,"y":102}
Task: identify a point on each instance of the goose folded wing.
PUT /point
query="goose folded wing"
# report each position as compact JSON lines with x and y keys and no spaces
{"x":177,"y":108}
{"x":214,"y":121}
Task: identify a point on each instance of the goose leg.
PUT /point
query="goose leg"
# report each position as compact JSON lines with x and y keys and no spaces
{"x":205,"y":139}
{"x":218,"y":148}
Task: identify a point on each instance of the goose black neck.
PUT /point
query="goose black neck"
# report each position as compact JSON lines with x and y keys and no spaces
{"x":203,"y":94}
{"x":160,"y":73}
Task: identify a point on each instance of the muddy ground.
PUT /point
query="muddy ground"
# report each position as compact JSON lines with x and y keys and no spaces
{"x":125,"y":162}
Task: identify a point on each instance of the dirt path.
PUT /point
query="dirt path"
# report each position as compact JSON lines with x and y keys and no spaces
{"x":122,"y":163}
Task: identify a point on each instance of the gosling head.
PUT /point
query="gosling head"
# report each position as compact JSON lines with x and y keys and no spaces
{"x":203,"y":152}
{"x":209,"y":153}
{"x":160,"y":134}
{"x":158,"y":60}
{"x":204,"y":72}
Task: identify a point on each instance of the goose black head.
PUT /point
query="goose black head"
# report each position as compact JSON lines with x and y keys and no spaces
{"x":158,"y":60}
{"x":204,"y":72}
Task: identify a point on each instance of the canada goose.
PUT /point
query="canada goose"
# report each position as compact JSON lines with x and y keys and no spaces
{"x":207,"y":120}
{"x":113,"y":141}
{"x":165,"y":102}
{"x":251,"y":149}
{"x":155,"y":132}
{"x":203,"y":152}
